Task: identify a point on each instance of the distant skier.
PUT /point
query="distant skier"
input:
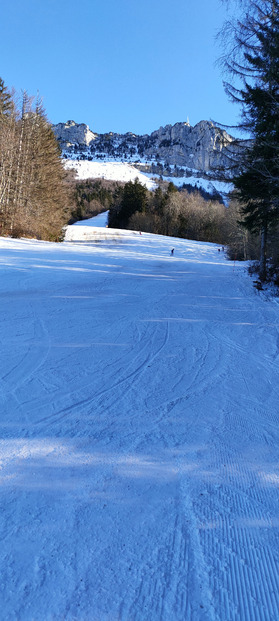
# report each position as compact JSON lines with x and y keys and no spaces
{"x":172,"y":251}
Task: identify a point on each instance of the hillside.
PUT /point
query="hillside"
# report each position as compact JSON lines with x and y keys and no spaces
{"x":122,"y":171}
{"x":180,"y":153}
{"x":139,"y":450}
{"x":115,"y":171}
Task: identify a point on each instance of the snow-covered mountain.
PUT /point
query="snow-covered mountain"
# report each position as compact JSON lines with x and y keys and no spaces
{"x":202,"y":147}
{"x":180,"y":153}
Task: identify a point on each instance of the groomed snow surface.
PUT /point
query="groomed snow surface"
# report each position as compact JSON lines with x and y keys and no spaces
{"x":139,"y":426}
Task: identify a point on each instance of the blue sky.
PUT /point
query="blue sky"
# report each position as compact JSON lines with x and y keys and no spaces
{"x":117,"y":65}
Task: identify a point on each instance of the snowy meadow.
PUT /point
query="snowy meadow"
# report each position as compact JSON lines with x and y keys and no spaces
{"x":139,"y":432}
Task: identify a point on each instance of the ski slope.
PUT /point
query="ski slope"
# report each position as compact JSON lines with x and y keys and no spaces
{"x":139,"y":433}
{"x":115,"y":171}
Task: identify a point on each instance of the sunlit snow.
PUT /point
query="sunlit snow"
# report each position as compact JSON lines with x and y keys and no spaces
{"x":115,"y":171}
{"x":139,"y":432}
{"x":121,"y":171}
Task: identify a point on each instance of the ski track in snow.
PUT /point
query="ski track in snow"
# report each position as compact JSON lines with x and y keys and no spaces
{"x":139,"y":433}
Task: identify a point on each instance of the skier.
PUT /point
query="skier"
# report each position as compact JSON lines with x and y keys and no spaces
{"x":172,"y":251}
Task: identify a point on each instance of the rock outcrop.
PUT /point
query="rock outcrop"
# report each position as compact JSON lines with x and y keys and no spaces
{"x":202,"y":147}
{"x":71,"y":133}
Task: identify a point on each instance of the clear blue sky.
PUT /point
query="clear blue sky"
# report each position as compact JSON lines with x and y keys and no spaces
{"x":117,"y":65}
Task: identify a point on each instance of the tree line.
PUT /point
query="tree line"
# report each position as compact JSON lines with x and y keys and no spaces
{"x":184,"y":214}
{"x":34,"y":194}
{"x":91,"y":197}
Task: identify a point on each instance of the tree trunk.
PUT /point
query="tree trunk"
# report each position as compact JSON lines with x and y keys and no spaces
{"x":263,"y":253}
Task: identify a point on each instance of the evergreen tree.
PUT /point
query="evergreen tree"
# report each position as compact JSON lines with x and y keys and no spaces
{"x":133,"y":199}
{"x":47,"y":199}
{"x":257,"y":39}
{"x":6,"y":102}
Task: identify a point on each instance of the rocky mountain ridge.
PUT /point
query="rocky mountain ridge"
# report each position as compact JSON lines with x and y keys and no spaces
{"x":203,"y":147}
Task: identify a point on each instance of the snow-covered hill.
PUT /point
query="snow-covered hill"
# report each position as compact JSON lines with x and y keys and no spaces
{"x":139,"y":433}
{"x":116,"y":171}
{"x":121,"y":171}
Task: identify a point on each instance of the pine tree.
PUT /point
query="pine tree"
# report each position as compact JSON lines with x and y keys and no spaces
{"x":6,"y":102}
{"x":48,"y":197}
{"x":257,"y":39}
{"x":133,"y":198}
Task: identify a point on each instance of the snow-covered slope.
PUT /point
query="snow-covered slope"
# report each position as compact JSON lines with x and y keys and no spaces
{"x":116,"y":171}
{"x":121,"y":171}
{"x":99,"y":221}
{"x":139,"y":434}
{"x":200,"y":183}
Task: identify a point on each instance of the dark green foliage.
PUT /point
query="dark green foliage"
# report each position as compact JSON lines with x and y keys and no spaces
{"x":258,"y":180}
{"x":6,"y":102}
{"x":132,"y":199}
{"x":169,"y":212}
{"x":171,"y":188}
{"x":91,"y":197}
{"x":258,"y":183}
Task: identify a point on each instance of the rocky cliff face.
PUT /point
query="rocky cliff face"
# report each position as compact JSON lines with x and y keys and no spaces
{"x":202,"y":147}
{"x":72,"y":133}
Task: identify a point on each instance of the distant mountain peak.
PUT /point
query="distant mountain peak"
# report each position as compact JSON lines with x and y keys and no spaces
{"x":202,"y":147}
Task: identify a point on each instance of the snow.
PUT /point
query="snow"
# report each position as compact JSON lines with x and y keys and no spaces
{"x":121,"y":171}
{"x":116,"y":171}
{"x":139,"y":433}
{"x":99,"y":221}
{"x":201,"y":183}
